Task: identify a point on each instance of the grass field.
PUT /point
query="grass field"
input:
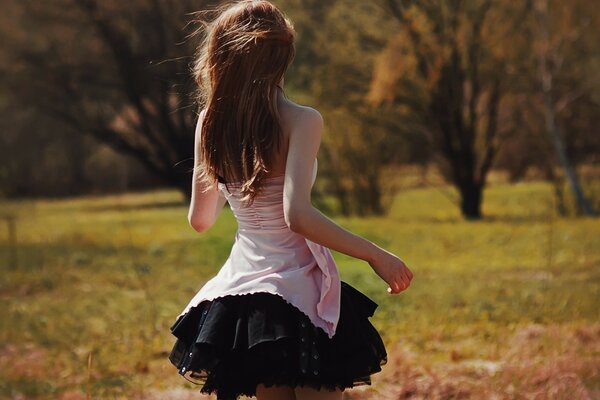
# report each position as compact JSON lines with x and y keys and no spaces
{"x":502,"y":308}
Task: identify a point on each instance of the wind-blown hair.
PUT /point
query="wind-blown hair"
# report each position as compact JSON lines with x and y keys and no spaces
{"x":244,"y":54}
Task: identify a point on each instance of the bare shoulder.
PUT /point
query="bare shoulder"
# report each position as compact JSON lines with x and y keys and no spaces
{"x":300,"y":118}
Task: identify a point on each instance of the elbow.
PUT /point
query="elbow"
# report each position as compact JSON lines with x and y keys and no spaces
{"x":199,"y":225}
{"x":294,"y":219}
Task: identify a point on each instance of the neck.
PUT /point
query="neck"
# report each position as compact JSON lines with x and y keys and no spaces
{"x":279,"y":94}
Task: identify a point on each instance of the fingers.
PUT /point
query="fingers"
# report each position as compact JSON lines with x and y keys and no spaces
{"x":400,"y":279}
{"x":403,"y":286}
{"x":401,"y":282}
{"x":395,"y":287}
{"x":406,"y":276}
{"x":406,"y":272}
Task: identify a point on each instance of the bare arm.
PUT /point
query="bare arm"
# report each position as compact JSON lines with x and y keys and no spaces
{"x":204,"y":206}
{"x":306,"y":220}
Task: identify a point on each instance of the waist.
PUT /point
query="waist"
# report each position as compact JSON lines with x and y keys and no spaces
{"x":269,"y":243}
{"x":262,"y":224}
{"x":264,"y":230}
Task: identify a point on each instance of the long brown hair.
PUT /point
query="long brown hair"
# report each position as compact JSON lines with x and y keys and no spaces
{"x":244,"y":55}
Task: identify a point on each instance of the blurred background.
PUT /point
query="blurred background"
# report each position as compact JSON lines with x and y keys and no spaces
{"x":461,"y":135}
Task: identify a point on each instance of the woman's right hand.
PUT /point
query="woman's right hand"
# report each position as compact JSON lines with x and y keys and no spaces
{"x":392,"y":270}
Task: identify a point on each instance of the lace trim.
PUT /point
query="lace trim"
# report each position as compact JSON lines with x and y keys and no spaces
{"x":256,"y":292}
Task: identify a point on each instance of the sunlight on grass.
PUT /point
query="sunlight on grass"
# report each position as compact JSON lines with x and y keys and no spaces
{"x":107,"y":276}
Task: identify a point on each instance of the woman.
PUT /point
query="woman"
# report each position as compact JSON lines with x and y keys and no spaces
{"x":276,"y":322}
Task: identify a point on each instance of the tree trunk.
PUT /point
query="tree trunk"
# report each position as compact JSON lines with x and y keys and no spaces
{"x":546,"y":77}
{"x":470,"y":200}
{"x":570,"y":173}
{"x":342,"y":196}
{"x":375,"y":195}
{"x":183,"y":182}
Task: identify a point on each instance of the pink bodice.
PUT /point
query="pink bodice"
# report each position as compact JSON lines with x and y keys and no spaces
{"x":268,"y":257}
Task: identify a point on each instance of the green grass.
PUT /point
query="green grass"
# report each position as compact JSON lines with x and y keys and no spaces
{"x":107,"y":275}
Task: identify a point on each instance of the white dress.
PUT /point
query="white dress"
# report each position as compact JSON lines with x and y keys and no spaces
{"x":268,"y":257}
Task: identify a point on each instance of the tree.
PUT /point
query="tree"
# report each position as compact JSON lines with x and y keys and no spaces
{"x":337,"y":43}
{"x":116,"y":70}
{"x":448,"y":65}
{"x":550,"y":60}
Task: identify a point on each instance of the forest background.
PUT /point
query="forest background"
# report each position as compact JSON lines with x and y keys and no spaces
{"x":461,"y":135}
{"x":97,"y":96}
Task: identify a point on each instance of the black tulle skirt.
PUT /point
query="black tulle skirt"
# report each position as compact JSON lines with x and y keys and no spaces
{"x":233,"y":343}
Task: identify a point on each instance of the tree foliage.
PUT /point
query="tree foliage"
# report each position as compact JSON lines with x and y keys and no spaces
{"x":116,"y":70}
{"x":449,"y":64}
{"x":454,"y":83}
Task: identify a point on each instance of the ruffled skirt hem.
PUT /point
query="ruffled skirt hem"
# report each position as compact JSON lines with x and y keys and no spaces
{"x":231,"y":344}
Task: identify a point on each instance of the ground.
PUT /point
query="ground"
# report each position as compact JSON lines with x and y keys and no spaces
{"x":501,"y":308}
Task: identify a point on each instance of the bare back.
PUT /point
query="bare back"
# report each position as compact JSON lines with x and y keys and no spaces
{"x":290,"y":113}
